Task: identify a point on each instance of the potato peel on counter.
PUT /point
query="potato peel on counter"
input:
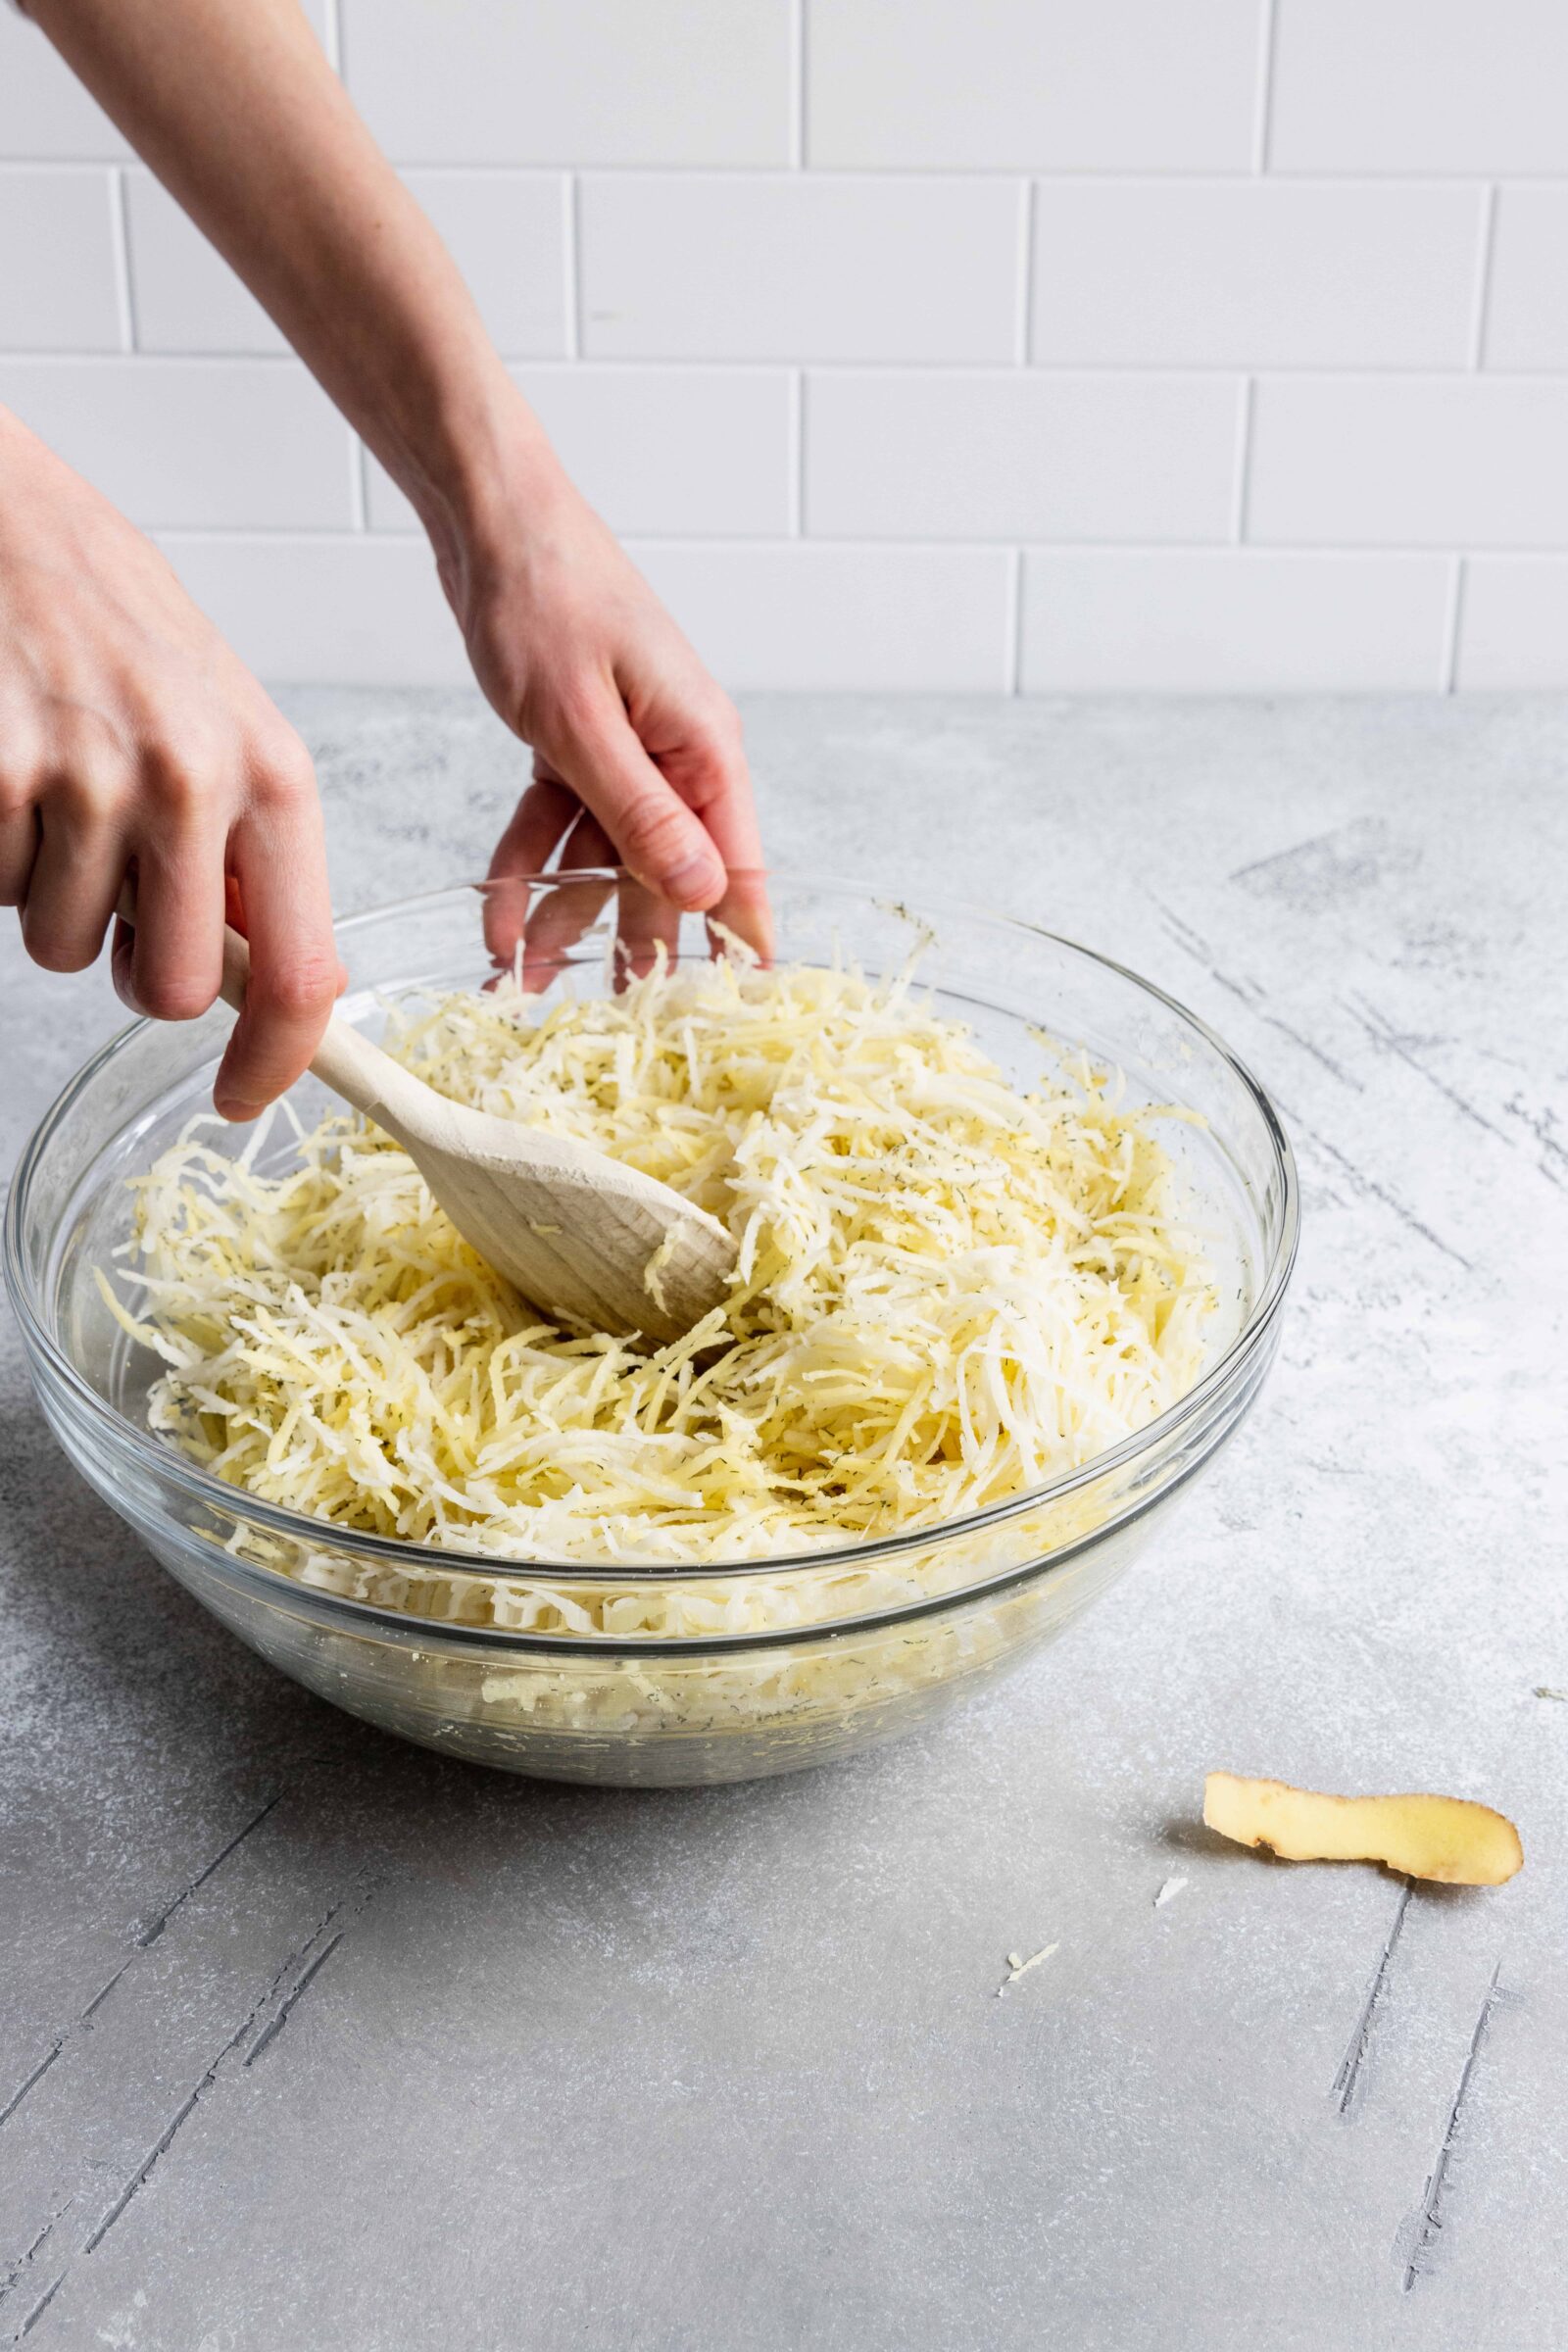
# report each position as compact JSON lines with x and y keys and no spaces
{"x":1448,"y":1839}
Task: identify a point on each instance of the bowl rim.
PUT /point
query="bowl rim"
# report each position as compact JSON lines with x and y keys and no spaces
{"x":165,"y":1461}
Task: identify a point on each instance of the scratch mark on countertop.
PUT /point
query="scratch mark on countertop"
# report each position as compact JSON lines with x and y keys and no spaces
{"x":193,"y":2097}
{"x":33,"y":2080}
{"x":275,"y":2026}
{"x":146,"y":1937}
{"x":40,"y":2307}
{"x":1430,"y":2219}
{"x":149,"y":1935}
{"x":1252,"y":994}
{"x":1348,"y":2080}
{"x":1383,"y":1034}
{"x":24,"y":2261}
{"x":1368,"y":1186}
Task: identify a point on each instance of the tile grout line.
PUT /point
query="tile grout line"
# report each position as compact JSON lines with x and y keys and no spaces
{"x":797,"y":97}
{"x":251,"y":534}
{"x":1244,"y":461}
{"x":119,"y":237}
{"x":796,"y":459}
{"x":1454,"y":622}
{"x":1217,"y":372}
{"x":1237,"y":175}
{"x":1483,"y":294}
{"x":570,"y":226}
{"x":1012,"y":644}
{"x":1262,"y":123}
{"x":1025,"y":320}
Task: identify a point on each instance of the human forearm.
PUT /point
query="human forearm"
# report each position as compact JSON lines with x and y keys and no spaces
{"x":241,"y":116}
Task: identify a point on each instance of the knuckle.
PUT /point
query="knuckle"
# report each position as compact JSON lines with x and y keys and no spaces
{"x":283,"y":769}
{"x":95,"y":787}
{"x":303,"y":988}
{"x":183,"y":768}
{"x":724,"y":725}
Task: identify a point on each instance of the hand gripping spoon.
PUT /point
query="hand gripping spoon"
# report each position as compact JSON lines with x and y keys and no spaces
{"x":570,"y":1228}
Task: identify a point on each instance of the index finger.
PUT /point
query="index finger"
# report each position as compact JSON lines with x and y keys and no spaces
{"x":278,"y":857}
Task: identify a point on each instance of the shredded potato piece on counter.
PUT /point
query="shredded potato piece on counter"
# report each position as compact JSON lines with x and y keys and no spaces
{"x":947,"y":1292}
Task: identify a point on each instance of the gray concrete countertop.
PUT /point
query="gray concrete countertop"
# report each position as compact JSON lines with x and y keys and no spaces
{"x":682,"y":2072}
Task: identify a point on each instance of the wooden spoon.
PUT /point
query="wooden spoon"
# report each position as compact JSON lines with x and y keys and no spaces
{"x":570,"y":1228}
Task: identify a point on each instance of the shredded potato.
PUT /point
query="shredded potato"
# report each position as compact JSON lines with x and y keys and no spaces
{"x":947,"y":1292}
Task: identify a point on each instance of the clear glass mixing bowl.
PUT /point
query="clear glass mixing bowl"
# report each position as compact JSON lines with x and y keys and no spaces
{"x":862,"y":1643}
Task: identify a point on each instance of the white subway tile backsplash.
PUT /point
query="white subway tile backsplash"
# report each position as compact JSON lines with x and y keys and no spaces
{"x":836,"y":617}
{"x":1527,"y":310}
{"x":693,"y":452}
{"x":572,"y":81}
{"x":1254,"y":273}
{"x":1232,"y":620}
{"x":804,"y":266}
{"x":1014,"y":454}
{"x":505,"y":230}
{"x":1436,"y":462}
{"x":311,"y":611}
{"x":1033,"y":84}
{"x":1420,"y":85}
{"x":191,"y":443}
{"x":57,"y":262}
{"x":1513,"y":625}
{"x":1141,"y":346}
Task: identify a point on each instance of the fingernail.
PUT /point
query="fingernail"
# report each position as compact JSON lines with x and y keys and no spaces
{"x":229,"y":1107}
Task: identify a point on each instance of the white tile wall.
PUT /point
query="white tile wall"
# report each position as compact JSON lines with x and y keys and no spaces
{"x":58,"y":288}
{"x":1256,"y":273}
{"x":193,"y":443}
{"x":687,"y":450}
{"x":890,"y":618}
{"x":1527,"y":307}
{"x":1440,"y":462}
{"x":572,"y":81}
{"x":973,"y":343}
{"x":319,"y":610}
{"x":1515,"y":621}
{"x":1014,"y":454}
{"x":803,"y":265}
{"x":1233,"y":620}
{"x":1420,"y":85}
{"x":1090,"y":85}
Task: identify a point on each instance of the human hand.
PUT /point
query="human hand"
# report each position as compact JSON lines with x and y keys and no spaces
{"x":638,"y":758}
{"x":132,"y":740}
